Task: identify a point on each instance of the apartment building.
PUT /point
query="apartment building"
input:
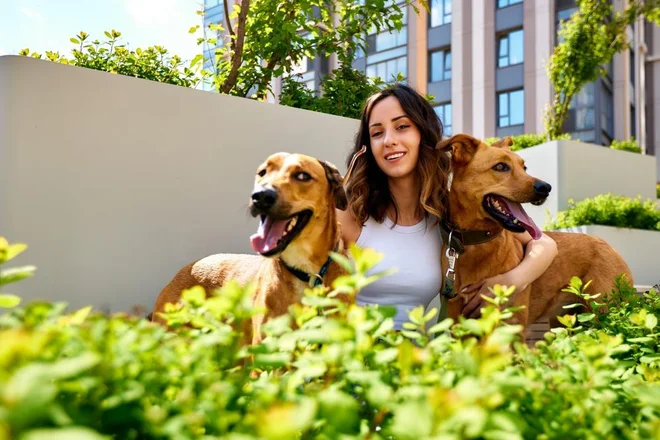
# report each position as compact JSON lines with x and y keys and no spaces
{"x":484,"y":61}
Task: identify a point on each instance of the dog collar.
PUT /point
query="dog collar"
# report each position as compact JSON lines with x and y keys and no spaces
{"x":462,"y":238}
{"x":305,"y":277}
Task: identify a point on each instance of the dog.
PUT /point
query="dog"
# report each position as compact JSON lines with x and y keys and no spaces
{"x":295,"y":197}
{"x":489,"y":184}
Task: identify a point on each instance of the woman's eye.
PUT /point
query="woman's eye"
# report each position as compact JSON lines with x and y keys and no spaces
{"x":303,"y":176}
{"x":262,"y":173}
{"x":401,"y":127}
{"x":376,"y":134}
{"x":501,"y":167}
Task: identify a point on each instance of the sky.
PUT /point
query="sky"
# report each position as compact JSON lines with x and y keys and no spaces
{"x":42,"y":25}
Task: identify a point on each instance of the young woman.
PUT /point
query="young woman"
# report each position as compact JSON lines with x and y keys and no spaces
{"x":397,"y":186}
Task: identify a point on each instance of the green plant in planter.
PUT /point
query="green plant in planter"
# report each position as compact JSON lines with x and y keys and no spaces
{"x":627,"y":145}
{"x":522,"y":141}
{"x":609,"y":210}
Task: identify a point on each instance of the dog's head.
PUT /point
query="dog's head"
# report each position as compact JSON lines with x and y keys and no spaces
{"x":292,"y":192}
{"x":490,"y":183}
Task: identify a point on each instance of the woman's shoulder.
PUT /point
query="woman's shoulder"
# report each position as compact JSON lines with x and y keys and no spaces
{"x":350,"y":227}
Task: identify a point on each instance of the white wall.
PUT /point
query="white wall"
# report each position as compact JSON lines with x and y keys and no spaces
{"x":578,"y":170}
{"x":116,"y":182}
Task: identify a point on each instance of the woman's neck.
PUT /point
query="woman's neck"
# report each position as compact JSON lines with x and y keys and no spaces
{"x":405,"y":193}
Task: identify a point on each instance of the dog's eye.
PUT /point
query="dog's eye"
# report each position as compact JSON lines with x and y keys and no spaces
{"x":261,"y":173}
{"x":501,"y":167}
{"x":303,"y":176}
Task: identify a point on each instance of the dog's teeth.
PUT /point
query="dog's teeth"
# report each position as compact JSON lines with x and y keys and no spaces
{"x":515,"y":220}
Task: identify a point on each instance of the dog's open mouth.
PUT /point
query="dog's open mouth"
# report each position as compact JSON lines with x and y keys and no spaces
{"x":274,"y":235}
{"x":511,"y":215}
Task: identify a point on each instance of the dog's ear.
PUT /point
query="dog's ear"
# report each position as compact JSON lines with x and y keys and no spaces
{"x":462,"y":147}
{"x":336,"y":184}
{"x":506,"y":142}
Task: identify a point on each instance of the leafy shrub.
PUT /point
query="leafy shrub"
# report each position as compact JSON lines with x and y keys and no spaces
{"x":326,"y":370}
{"x":629,"y":145}
{"x":522,"y":141}
{"x":153,"y":63}
{"x":657,"y":190}
{"x":343,"y":93}
{"x":609,"y":210}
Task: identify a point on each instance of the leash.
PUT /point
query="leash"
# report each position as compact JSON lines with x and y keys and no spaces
{"x":456,"y":241}
{"x":317,"y":278}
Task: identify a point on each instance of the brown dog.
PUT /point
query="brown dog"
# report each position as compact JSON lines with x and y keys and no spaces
{"x":295,"y":197}
{"x":488,"y":186}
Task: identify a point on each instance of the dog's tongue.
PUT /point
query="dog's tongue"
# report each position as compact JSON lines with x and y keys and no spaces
{"x":518,"y":212}
{"x":269,"y":232}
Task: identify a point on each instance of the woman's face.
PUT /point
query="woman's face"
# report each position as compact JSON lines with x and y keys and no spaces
{"x":395,"y":140}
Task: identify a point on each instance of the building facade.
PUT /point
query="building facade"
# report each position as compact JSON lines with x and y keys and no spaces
{"x":484,"y":61}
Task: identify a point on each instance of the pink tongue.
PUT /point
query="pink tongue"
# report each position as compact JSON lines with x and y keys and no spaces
{"x":518,"y":212}
{"x":268,"y":234}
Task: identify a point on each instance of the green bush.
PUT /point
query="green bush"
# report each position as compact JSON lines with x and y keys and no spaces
{"x":343,"y":93}
{"x":522,"y":141}
{"x":609,"y":210}
{"x":153,"y":63}
{"x":324,"y":371}
{"x":657,"y":190}
{"x":629,"y":145}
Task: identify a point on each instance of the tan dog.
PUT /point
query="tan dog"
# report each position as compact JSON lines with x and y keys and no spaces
{"x":295,"y":197}
{"x":488,"y":186}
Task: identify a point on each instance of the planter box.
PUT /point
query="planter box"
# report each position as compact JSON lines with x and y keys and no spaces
{"x":578,"y":170}
{"x":640,"y":249}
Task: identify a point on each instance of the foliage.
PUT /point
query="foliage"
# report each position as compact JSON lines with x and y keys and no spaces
{"x":344,"y":93}
{"x":7,"y":253}
{"x":657,"y":190}
{"x":522,"y":141}
{"x":153,"y":63}
{"x":268,"y":38}
{"x":326,"y":370}
{"x":609,"y":210}
{"x":628,"y":145}
{"x":627,"y":314}
{"x":588,"y":41}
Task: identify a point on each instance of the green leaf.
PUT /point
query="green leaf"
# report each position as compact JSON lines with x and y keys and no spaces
{"x":651,"y":322}
{"x":7,"y":301}
{"x":68,"y":433}
{"x":585,"y":317}
{"x":272,"y":360}
{"x":15,"y":274}
{"x":442,"y":326}
{"x":9,"y":252}
{"x":74,"y":40}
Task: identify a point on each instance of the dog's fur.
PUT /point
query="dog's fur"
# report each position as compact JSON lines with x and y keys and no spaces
{"x":277,"y":288}
{"x":581,"y":255}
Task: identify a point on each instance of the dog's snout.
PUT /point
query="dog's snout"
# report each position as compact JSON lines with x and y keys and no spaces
{"x":542,"y":188}
{"x":264,"y":198}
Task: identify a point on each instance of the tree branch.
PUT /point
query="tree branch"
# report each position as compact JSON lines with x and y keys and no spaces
{"x":231,"y":31}
{"x":237,"y":53}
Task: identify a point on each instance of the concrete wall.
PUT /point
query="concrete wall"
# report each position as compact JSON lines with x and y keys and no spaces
{"x":578,"y":170}
{"x":116,"y":182}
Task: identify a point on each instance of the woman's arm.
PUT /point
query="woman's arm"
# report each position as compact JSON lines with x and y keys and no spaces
{"x":539,"y":254}
{"x":350,"y":230}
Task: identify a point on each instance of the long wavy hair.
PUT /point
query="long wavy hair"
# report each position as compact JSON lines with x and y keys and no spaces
{"x":366,"y":185}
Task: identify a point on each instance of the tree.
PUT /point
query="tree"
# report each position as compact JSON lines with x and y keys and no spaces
{"x":269,"y":37}
{"x":589,"y":40}
{"x":153,"y":63}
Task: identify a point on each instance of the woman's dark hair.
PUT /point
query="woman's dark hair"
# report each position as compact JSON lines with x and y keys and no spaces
{"x":366,"y":185}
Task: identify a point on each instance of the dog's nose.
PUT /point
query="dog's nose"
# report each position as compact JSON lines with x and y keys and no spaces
{"x":542,"y":188}
{"x":264,"y":199}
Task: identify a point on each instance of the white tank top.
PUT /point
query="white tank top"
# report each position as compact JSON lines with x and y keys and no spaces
{"x":415,"y":252}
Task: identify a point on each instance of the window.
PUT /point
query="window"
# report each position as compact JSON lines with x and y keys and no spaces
{"x":511,"y":108}
{"x":510,"y":49}
{"x":505,"y":3}
{"x":387,"y":70}
{"x":440,"y":65}
{"x":444,"y":113}
{"x":211,"y":3}
{"x":607,"y":111}
{"x":440,"y":12}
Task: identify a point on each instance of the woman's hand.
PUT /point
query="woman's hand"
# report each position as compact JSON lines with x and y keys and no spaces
{"x":539,"y":254}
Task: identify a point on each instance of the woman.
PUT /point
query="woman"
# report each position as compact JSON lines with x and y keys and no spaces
{"x":397,"y":186}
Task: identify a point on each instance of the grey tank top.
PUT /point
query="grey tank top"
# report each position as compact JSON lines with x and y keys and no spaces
{"x":415,"y":252}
